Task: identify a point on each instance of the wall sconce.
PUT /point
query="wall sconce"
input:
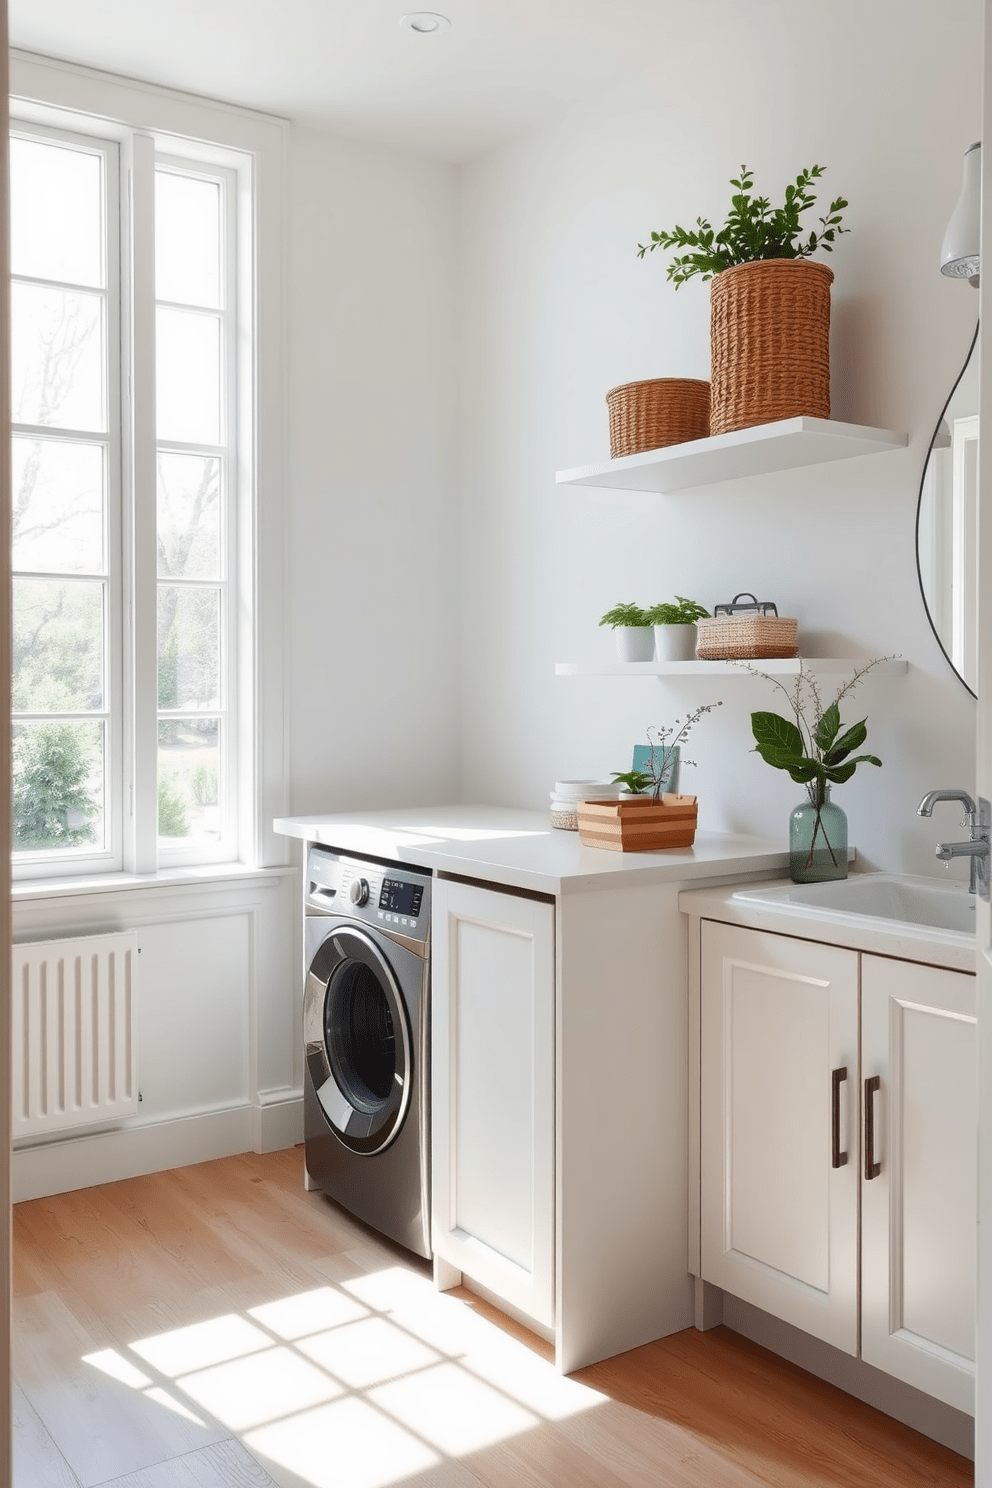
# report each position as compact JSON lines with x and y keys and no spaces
{"x":960,"y":256}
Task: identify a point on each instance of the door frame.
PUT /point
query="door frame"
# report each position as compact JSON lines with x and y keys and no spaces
{"x":983,"y":1381}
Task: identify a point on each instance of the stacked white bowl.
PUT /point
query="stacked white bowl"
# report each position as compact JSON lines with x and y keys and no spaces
{"x":567,"y":794}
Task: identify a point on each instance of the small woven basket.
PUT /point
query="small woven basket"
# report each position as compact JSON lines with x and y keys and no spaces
{"x":769,"y":343}
{"x":746,"y":637}
{"x":663,"y":410}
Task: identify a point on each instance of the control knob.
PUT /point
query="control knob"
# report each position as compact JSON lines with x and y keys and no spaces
{"x":359,"y":891}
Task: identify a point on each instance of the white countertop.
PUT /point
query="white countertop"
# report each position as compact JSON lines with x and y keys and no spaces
{"x":521,"y":849}
{"x":858,"y":932}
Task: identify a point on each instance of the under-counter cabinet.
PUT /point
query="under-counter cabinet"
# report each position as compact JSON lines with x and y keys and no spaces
{"x":799,"y":1137}
{"x":493,"y":1092}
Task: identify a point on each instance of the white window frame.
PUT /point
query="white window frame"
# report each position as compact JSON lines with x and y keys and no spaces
{"x":34,"y":864}
{"x":147,"y":121}
{"x":232,"y":414}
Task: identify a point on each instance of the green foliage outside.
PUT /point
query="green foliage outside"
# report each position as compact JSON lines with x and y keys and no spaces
{"x":752,"y":231}
{"x":52,"y":807}
{"x":173,"y":818}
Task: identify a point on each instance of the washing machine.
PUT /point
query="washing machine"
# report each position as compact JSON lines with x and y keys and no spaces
{"x":366,"y":1031}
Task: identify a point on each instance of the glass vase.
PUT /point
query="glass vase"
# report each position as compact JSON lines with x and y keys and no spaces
{"x":817,"y":840}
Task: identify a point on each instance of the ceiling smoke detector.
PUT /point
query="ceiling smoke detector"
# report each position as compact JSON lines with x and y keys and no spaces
{"x":425,"y":23}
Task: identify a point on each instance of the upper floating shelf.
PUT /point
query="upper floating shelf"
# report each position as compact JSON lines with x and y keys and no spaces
{"x":774,"y":666}
{"x":785,"y":445}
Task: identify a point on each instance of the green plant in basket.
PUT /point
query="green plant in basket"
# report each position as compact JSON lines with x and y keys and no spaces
{"x":682,"y":612}
{"x":753,"y":230}
{"x":636,"y":781}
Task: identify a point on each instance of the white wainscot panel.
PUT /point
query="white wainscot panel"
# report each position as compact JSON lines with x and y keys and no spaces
{"x":194,"y":1000}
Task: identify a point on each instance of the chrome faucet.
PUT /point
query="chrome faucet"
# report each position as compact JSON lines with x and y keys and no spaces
{"x":978,"y":820}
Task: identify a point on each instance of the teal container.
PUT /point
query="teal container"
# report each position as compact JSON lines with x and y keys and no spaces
{"x":817,"y":841}
{"x":666,"y":759}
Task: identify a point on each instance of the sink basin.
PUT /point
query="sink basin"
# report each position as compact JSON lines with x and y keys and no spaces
{"x":896,"y":898}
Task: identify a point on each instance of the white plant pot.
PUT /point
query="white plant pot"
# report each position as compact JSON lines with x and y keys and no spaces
{"x":675,"y":642}
{"x":635,"y":642}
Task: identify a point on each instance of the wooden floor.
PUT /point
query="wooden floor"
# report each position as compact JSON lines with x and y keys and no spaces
{"x":218,"y":1327}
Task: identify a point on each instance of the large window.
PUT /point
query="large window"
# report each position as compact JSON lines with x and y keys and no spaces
{"x":87,"y":718}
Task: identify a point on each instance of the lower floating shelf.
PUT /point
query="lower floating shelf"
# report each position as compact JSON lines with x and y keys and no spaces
{"x":774,"y":666}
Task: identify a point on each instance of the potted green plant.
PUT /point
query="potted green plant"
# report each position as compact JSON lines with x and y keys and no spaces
{"x":675,"y":628}
{"x":817,"y":752}
{"x":769,"y":305}
{"x":633,"y":630}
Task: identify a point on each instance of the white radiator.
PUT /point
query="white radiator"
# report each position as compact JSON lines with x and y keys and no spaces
{"x":74,"y":1035}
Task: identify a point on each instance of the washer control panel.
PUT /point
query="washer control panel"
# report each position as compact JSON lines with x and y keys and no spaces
{"x":397,"y":898}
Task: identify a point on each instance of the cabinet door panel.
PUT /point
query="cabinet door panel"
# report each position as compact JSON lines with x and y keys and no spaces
{"x":919,"y":1215}
{"x":779,"y":1223}
{"x":493,"y":1091}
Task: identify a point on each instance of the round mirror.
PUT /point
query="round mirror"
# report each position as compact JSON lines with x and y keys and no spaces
{"x":947,"y":525}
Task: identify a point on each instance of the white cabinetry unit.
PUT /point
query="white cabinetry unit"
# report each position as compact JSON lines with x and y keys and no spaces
{"x":493,"y":1092}
{"x":918,"y":1218}
{"x":779,"y":1071}
{"x":797,"y":1132}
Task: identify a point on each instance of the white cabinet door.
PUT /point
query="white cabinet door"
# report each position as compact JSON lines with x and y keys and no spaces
{"x":779,"y":1162}
{"x":919,"y":1211}
{"x":493,"y":1091}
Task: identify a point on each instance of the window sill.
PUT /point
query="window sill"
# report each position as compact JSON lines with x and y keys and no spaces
{"x":83,"y":885}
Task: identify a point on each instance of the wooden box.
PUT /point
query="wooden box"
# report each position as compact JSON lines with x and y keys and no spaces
{"x":639,"y":823}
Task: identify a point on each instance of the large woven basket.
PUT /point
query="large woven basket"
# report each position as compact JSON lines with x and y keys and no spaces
{"x":746,"y":637}
{"x":769,"y":343}
{"x":663,"y":410}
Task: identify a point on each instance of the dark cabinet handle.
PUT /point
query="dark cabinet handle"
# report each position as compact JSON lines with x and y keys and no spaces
{"x":838,"y":1158}
{"x":872,"y":1168}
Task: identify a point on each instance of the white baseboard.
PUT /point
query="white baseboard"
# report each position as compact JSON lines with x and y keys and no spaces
{"x":277,"y":1124}
{"x":77,"y":1161}
{"x":940,"y":1422}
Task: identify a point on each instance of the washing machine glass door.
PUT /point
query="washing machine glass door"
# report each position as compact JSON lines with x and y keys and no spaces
{"x":357,"y":1037}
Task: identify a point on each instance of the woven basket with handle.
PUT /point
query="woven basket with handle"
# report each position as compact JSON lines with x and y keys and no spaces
{"x":661,"y":411}
{"x":769,"y":343}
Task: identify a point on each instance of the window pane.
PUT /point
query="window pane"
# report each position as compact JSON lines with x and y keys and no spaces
{"x":188,"y":373}
{"x":58,"y":647}
{"x":187,"y":240}
{"x":188,"y":647}
{"x":59,"y":773}
{"x":57,"y":358}
{"x":56,"y":212}
{"x":58,"y":506}
{"x":188,"y":517}
{"x":188,"y":780}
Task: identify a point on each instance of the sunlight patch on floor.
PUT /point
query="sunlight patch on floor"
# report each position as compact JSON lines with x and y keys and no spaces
{"x":308,"y":1312}
{"x":359,"y":1385}
{"x":455,"y":1412}
{"x":109,"y":1361}
{"x":346,"y":1445}
{"x":182,"y":1350}
{"x":260,"y":1388}
{"x":367,"y":1353}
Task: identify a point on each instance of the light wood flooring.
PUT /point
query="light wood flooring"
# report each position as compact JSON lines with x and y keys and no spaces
{"x":218,"y":1327}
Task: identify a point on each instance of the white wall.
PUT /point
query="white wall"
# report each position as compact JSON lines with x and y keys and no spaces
{"x":373,"y":528}
{"x":557,"y":309}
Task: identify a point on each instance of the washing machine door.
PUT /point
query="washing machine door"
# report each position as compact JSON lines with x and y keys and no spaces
{"x":357,"y":1037}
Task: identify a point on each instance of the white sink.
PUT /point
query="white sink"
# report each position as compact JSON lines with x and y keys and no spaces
{"x":897,"y":898}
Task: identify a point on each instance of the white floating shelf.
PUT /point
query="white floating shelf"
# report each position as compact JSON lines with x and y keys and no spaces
{"x":785,"y":445}
{"x":774,"y":666}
